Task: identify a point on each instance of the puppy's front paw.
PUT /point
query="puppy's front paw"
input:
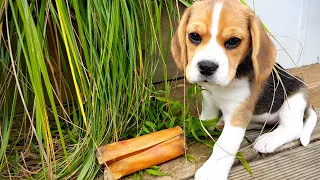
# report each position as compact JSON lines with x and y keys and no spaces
{"x":210,"y":172}
{"x":203,"y":174}
{"x":267,"y":143}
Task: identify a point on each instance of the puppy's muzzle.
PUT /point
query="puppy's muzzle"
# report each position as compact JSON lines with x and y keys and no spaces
{"x":207,"y":68}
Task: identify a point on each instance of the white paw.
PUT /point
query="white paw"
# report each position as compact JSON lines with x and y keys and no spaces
{"x":267,"y":143}
{"x":210,"y":172}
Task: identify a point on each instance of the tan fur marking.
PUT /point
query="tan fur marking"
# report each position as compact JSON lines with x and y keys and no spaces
{"x":237,"y":20}
{"x":243,"y":114}
{"x":196,"y":19}
{"x":199,"y":27}
{"x":178,"y":42}
{"x":234,"y":23}
{"x":263,"y":53}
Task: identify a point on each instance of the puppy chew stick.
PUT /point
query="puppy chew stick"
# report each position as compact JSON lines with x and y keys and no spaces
{"x":129,"y":156}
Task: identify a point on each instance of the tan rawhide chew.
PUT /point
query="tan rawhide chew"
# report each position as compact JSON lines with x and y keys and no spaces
{"x":129,"y":156}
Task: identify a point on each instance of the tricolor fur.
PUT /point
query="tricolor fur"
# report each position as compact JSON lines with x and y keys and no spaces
{"x":221,"y":45}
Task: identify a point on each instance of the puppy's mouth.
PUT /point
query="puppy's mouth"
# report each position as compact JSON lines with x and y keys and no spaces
{"x":208,"y":81}
{"x":205,"y":79}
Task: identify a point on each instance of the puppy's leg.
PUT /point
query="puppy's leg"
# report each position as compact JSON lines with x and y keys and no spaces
{"x":224,"y":152}
{"x":209,"y":109}
{"x":309,"y":124}
{"x":290,"y":125}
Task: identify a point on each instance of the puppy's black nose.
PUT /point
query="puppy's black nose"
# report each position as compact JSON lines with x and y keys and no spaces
{"x":207,"y":68}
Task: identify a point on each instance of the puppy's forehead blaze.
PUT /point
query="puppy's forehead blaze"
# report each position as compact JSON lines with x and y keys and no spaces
{"x":232,"y":20}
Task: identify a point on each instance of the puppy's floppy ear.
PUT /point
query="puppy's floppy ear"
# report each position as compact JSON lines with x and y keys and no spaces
{"x":178,"y":42}
{"x":263,"y":50}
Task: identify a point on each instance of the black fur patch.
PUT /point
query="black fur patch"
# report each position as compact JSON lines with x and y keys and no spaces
{"x":245,"y":69}
{"x":273,"y":90}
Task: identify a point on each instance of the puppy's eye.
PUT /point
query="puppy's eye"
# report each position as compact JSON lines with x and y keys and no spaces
{"x":195,"y":38}
{"x":232,"y":43}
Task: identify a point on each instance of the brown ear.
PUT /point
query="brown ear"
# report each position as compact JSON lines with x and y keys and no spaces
{"x":178,"y":42}
{"x":263,"y":50}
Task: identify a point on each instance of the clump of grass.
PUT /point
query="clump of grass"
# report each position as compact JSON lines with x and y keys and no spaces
{"x":78,"y":74}
{"x":81,"y":73}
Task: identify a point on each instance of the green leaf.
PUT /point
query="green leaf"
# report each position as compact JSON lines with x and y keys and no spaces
{"x":190,"y":157}
{"x":209,"y":143}
{"x":151,"y":126}
{"x":145,"y":129}
{"x":185,"y":2}
{"x":154,"y":168}
{"x":156,"y":172}
{"x":244,"y":162}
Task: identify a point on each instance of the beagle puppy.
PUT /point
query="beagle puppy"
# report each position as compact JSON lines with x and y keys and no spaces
{"x":222,"y":46}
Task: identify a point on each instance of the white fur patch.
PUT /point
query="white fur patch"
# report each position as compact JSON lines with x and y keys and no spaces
{"x":209,"y":109}
{"x":214,"y":53}
{"x":268,"y":118}
{"x":227,"y":98}
{"x":290,"y":125}
{"x":223,"y":154}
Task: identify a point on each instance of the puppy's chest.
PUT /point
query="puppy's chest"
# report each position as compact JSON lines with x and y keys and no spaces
{"x":229,"y":97}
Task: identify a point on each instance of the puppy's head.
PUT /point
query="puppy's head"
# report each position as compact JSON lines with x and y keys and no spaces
{"x":215,"y":36}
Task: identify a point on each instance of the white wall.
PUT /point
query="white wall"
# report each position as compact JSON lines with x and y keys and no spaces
{"x":292,"y":22}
